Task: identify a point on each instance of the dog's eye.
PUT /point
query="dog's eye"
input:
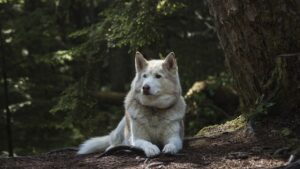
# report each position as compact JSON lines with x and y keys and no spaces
{"x":157,"y":76}
{"x":144,"y":75}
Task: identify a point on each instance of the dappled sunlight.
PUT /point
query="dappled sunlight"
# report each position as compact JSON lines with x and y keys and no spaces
{"x":67,"y":66}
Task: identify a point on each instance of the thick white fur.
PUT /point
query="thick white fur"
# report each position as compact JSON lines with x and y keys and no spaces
{"x":116,"y":137}
{"x":94,"y":144}
{"x":151,"y":120}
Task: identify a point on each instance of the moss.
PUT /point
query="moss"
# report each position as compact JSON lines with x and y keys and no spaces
{"x":218,"y":129}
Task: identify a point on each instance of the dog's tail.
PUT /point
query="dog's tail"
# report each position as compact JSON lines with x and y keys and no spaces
{"x":101,"y":143}
{"x":94,"y":144}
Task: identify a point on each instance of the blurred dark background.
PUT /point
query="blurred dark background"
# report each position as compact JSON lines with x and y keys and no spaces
{"x":69,"y":64}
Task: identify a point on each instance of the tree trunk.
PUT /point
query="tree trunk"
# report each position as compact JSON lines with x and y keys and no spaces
{"x":261,"y":41}
{"x":3,"y":53}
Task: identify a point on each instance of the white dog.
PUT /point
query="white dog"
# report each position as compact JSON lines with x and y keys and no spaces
{"x":154,"y":111}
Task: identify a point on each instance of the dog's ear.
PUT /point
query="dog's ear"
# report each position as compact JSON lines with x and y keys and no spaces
{"x":140,"y":62}
{"x":170,"y":62}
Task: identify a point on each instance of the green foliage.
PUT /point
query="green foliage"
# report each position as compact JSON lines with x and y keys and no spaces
{"x":209,"y":102}
{"x":131,"y":23}
{"x":127,"y":25}
{"x":37,"y":72}
{"x":68,"y":100}
{"x":260,"y":108}
{"x":286,"y":132}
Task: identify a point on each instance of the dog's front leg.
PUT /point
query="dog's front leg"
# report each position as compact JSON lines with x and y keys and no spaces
{"x":150,"y":149}
{"x":173,"y":145}
{"x":139,"y":137}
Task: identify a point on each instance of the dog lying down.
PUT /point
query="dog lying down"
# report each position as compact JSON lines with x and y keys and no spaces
{"x":154,"y":111}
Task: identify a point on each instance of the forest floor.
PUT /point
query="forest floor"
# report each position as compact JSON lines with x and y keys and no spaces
{"x":243,"y":148}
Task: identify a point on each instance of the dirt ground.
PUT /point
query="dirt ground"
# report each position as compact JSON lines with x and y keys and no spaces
{"x":238,"y":149}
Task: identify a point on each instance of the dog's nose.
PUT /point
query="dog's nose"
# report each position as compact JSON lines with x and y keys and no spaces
{"x":146,"y":89}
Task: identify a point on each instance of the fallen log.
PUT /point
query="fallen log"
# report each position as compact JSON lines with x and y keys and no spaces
{"x":110,"y":97}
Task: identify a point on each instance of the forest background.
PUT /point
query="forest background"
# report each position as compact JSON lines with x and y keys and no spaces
{"x":66,"y":66}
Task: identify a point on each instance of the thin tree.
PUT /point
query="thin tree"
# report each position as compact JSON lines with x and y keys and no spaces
{"x":6,"y":98}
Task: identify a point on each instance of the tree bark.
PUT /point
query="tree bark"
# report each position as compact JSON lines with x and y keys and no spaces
{"x":261,"y":41}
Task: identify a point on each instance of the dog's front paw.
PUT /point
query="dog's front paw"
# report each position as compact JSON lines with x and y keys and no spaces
{"x":170,"y":149}
{"x":151,"y":150}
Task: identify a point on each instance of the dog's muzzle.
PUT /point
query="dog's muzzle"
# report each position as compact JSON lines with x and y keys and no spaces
{"x":146,"y":90}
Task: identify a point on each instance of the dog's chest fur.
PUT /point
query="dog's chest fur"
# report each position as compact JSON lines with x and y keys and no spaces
{"x":154,"y":124}
{"x":151,"y":124}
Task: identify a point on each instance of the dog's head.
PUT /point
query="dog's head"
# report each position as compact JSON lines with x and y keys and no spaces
{"x":156,"y":82}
